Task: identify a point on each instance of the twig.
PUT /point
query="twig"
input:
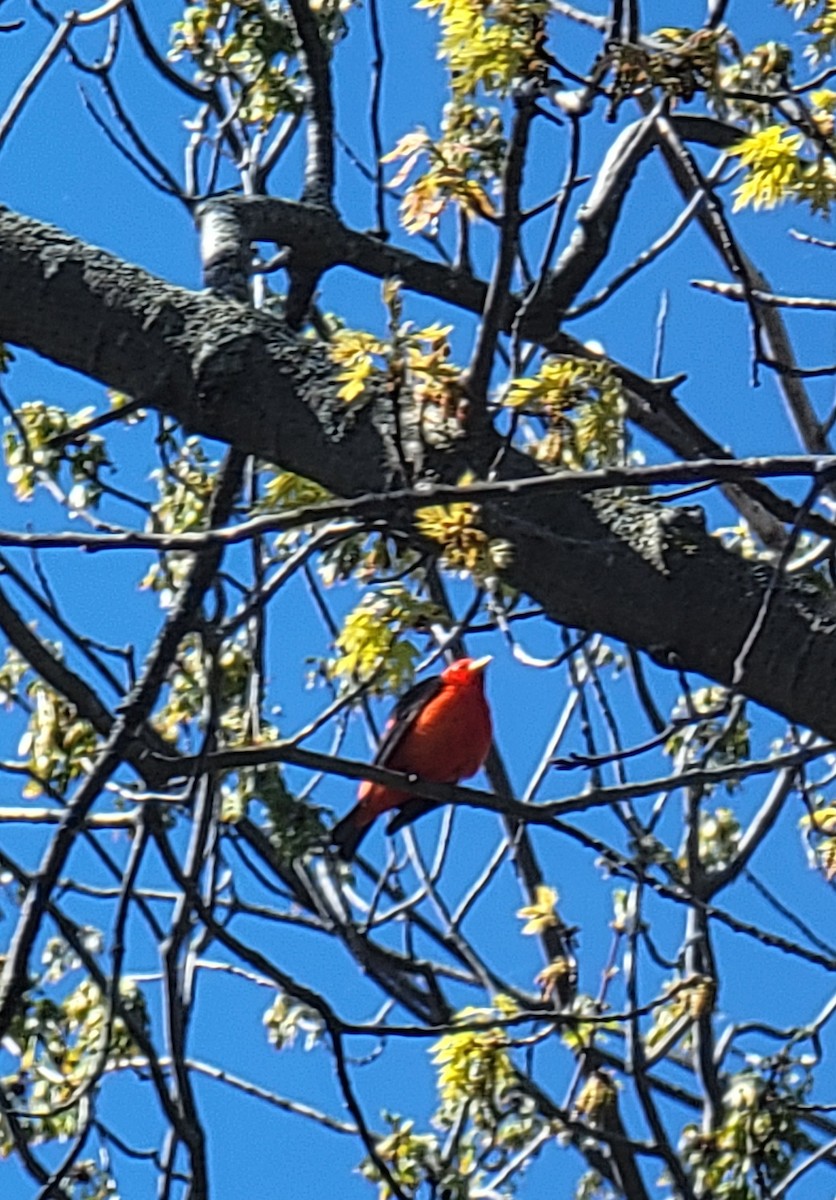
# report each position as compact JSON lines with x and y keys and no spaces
{"x":375,"y":507}
{"x":27,"y":87}
{"x":733,"y":291}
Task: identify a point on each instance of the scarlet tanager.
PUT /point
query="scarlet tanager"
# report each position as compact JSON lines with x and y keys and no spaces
{"x":440,"y":730}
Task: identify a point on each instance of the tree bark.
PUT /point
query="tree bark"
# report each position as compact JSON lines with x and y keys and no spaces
{"x":647,"y":575}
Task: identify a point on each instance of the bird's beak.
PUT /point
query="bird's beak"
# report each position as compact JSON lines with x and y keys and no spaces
{"x":479,"y":664}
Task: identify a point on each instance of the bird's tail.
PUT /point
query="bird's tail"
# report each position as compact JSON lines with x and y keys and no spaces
{"x":347,"y":835}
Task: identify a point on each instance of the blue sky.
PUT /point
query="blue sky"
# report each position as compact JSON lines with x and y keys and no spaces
{"x":57,"y":167}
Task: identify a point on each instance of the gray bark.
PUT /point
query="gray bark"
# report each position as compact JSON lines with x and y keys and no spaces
{"x":651,"y":577}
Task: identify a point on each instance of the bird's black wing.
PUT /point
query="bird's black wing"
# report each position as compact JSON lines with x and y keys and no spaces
{"x":409,"y":812}
{"x":403,"y":715}
{"x":348,"y":833}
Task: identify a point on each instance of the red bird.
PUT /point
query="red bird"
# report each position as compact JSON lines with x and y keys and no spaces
{"x":440,"y":730}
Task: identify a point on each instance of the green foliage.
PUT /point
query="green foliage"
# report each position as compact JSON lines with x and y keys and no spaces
{"x":295,"y":826}
{"x":598,"y":1098}
{"x":184,"y":485}
{"x":567,"y":412}
{"x":358,"y":355}
{"x":35,"y":452}
{"x":62,"y":1049}
{"x":461,"y":166}
{"x":373,"y":647}
{"x":783,"y":162}
{"x":822,"y":28}
{"x":707,"y":742}
{"x":465,"y":547}
{"x":586,"y":1025}
{"x":784,"y":166}
{"x":489,"y":45}
{"x":254,"y":47}
{"x":753,"y":1148}
{"x":478,"y":1099}
{"x":362,"y":557}
{"x":186,"y":691}
{"x":761,"y":72}
{"x":719,"y":838}
{"x":414,"y":360}
{"x":583,"y":404}
{"x":287,"y":1018}
{"x":196,"y":675}
{"x":819,"y":829}
{"x":13,"y":670}
{"x":682,"y":62}
{"x":689,"y":1000}
{"x":540,"y":915}
{"x":282,"y":491}
{"x":411,"y":1159}
{"x":58,"y":746}
{"x":474,"y":1068}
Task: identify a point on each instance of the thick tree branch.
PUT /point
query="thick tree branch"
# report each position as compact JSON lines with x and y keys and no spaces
{"x":319,"y":168}
{"x":598,"y":217}
{"x":686,"y":176}
{"x":654,"y":579}
{"x":650,"y":403}
{"x":496,"y":302}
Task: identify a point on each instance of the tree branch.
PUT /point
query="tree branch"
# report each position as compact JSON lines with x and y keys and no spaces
{"x":678,"y":594}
